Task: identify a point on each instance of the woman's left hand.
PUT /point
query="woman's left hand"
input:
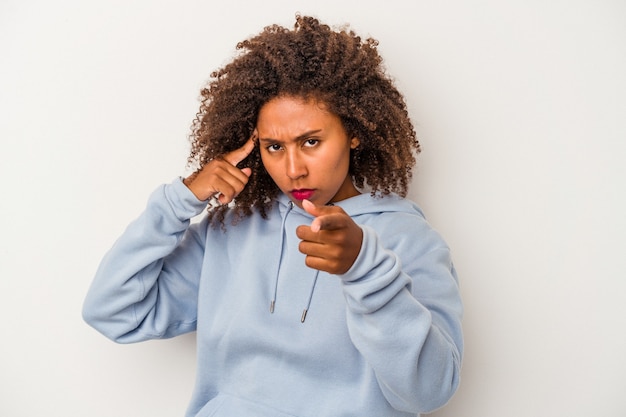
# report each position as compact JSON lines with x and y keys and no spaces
{"x":332,"y":242}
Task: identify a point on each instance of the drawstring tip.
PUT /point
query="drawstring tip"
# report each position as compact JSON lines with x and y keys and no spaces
{"x":303,"y":316}
{"x":272,"y":306}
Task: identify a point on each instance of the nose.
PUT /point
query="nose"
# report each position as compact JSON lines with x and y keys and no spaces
{"x":295,"y":166}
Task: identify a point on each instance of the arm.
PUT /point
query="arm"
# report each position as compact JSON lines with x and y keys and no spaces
{"x":403,"y":304}
{"x":146,"y":285}
{"x":405,"y":319}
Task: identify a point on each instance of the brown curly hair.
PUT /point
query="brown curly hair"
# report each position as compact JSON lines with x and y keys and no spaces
{"x":312,"y":61}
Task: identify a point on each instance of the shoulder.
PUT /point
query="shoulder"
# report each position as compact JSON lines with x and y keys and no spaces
{"x":399,"y":222}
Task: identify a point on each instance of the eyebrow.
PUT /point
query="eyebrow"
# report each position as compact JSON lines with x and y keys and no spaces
{"x":296,"y":139}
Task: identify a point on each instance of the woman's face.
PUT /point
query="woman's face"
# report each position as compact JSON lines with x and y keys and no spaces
{"x":306,"y":150}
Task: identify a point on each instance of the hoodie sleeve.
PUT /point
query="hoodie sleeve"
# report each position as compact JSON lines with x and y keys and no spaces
{"x":404,"y":316}
{"x":146,"y":285}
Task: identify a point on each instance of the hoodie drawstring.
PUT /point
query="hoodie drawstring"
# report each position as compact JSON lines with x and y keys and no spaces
{"x":280,"y":261}
{"x":280,"y":258}
{"x":308,"y":303}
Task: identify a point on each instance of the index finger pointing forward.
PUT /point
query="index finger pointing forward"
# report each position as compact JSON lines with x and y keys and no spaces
{"x":240,"y":154}
{"x":323,"y":215}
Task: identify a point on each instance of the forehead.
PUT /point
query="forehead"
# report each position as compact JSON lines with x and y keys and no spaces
{"x":293,"y":114}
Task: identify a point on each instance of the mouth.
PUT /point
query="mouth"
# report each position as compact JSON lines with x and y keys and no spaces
{"x":302,"y":194}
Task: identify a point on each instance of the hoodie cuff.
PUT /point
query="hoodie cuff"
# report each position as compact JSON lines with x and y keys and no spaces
{"x":183,"y":203}
{"x":375,"y":277}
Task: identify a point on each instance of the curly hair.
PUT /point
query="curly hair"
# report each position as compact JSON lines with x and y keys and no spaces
{"x":312,"y":61}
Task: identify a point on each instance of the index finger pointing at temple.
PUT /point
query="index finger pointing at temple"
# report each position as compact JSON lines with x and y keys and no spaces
{"x":240,"y":154}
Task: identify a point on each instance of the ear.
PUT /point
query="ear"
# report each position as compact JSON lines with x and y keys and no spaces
{"x":354,"y":143}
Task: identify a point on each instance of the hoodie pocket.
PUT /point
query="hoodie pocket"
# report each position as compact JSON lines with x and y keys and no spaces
{"x":225,"y":405}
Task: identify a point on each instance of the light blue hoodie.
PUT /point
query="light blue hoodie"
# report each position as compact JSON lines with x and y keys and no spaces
{"x":383,"y":339}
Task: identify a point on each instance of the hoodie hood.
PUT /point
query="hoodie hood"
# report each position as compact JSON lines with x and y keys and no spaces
{"x":362,"y":204}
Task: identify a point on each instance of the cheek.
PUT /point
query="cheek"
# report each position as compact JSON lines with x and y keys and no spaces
{"x":265,"y":161}
{"x":270,"y":167}
{"x":343,"y":162}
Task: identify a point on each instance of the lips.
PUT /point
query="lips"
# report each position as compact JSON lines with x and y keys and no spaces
{"x":302,"y":194}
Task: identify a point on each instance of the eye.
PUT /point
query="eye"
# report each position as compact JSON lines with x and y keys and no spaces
{"x":274,"y":147}
{"x":311,"y":142}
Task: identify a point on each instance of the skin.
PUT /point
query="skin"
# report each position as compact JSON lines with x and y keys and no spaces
{"x":221,"y":177}
{"x":306,"y":151}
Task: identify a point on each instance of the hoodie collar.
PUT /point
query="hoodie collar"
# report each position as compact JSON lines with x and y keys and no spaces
{"x":365,"y":203}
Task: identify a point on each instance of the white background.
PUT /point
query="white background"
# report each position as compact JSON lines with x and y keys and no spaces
{"x":521,"y":109}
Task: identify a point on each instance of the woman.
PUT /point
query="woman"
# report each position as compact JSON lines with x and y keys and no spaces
{"x":315,"y":288}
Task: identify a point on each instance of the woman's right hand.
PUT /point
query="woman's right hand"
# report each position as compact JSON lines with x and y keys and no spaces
{"x":221,"y":177}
